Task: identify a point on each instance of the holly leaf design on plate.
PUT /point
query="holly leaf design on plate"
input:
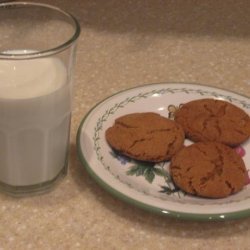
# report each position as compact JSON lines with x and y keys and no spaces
{"x":148,"y":170}
{"x":169,"y":190}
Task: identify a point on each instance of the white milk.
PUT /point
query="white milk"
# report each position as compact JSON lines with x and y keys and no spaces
{"x":34,"y":120}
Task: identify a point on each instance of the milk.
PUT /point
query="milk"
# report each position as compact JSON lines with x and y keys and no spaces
{"x":35,"y":105}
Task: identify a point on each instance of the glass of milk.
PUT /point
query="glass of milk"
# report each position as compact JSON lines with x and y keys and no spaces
{"x":37,"y":54}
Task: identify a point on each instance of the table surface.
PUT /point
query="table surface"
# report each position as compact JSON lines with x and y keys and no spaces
{"x":125,"y":44}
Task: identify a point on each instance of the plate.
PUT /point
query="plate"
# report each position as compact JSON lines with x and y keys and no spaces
{"x":149,"y":186}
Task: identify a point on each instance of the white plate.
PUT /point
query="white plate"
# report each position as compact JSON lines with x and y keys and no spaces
{"x":150,"y":187}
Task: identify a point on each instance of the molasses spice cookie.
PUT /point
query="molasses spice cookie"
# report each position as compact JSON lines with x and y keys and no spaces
{"x":145,"y":136}
{"x":214,"y":120}
{"x":208,"y":169}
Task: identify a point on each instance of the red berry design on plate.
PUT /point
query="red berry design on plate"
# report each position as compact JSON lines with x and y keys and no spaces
{"x":240,"y":151}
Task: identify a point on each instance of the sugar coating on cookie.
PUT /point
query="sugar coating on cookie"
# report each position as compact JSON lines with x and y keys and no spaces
{"x":214,"y":120}
{"x":208,"y":169}
{"x":145,"y":136}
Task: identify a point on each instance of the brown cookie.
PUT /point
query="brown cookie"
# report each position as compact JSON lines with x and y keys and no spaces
{"x":208,"y":169}
{"x":145,"y":136}
{"x":214,"y":120}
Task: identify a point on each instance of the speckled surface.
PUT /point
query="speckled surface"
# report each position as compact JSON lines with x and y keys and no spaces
{"x":125,"y":44}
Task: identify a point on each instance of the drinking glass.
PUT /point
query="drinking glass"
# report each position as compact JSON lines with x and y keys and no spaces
{"x":37,"y":54}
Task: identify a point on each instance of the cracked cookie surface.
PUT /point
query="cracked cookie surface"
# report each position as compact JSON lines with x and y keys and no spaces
{"x":145,"y":136}
{"x":214,"y":120}
{"x":208,"y":169}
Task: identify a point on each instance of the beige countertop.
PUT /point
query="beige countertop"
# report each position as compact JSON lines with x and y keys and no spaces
{"x":125,"y":44}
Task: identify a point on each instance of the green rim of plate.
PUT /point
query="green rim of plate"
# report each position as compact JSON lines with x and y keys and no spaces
{"x":153,"y":209}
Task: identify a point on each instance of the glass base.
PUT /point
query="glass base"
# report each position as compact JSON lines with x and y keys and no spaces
{"x":40,"y":188}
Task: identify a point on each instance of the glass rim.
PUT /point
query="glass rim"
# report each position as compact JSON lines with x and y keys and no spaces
{"x":47,"y":52}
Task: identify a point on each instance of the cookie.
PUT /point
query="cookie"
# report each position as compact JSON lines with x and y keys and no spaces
{"x":145,"y":136}
{"x":208,"y":169}
{"x":214,"y":120}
